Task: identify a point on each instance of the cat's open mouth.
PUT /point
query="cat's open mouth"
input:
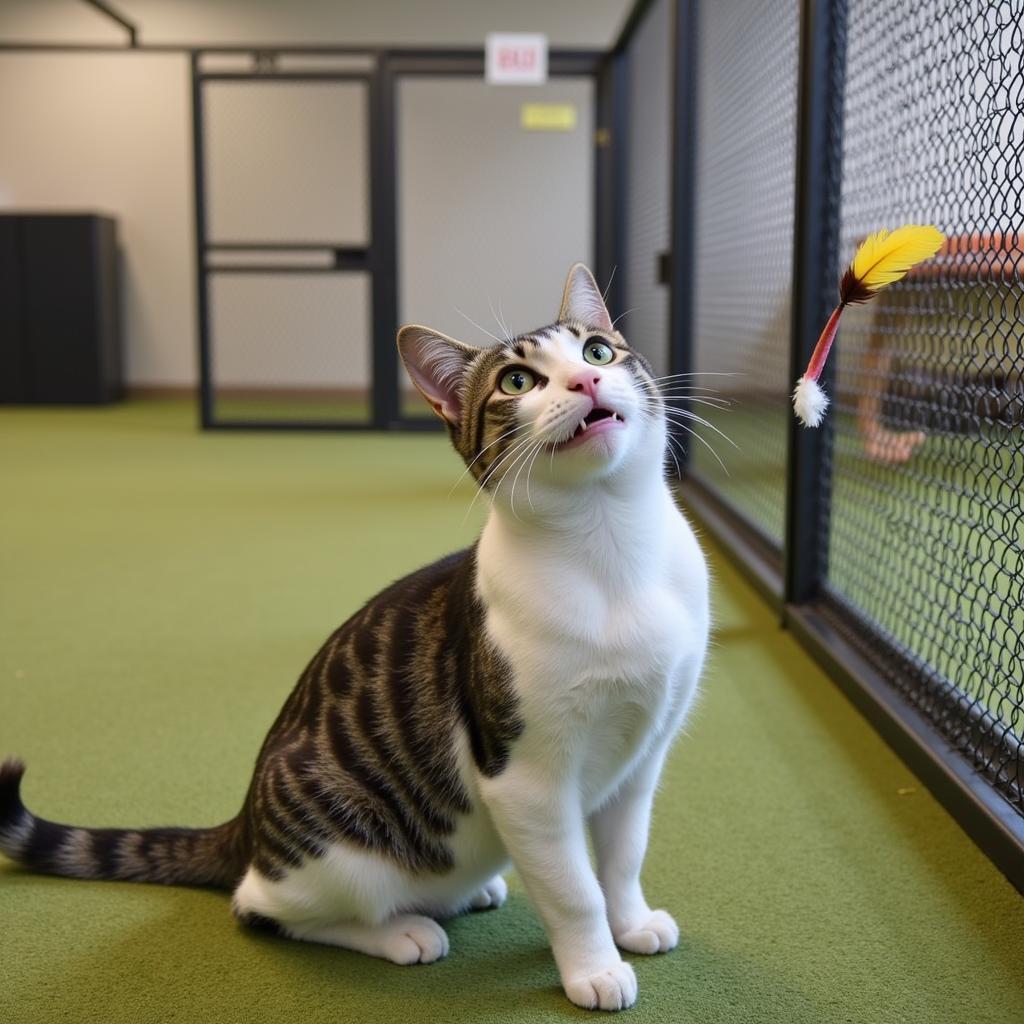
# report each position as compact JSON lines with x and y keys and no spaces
{"x":598,"y":420}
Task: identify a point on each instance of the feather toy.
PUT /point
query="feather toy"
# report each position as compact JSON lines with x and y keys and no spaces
{"x":884,"y":257}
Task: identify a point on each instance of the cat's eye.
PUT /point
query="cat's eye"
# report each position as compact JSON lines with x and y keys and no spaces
{"x":517,"y":381}
{"x":598,"y":353}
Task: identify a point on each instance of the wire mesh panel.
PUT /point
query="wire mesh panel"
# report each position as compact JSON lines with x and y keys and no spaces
{"x":926,"y":541}
{"x":644,"y":318}
{"x":747,"y":61}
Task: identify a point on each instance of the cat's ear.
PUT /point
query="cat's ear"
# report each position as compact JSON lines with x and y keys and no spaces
{"x":437,"y":365}
{"x":582,"y":300}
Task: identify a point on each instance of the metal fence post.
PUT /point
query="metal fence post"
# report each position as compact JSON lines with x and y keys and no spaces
{"x":683,"y":187}
{"x":206,"y":410}
{"x":384,"y":243}
{"x":610,"y":179}
{"x":815,"y":244}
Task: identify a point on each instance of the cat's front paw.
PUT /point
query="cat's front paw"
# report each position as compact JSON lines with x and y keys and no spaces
{"x":656,"y":933}
{"x":490,"y":894}
{"x":611,"y":989}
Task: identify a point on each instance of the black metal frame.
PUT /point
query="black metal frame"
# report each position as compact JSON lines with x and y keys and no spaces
{"x":978,"y":807}
{"x":379,"y":258}
{"x":793,"y":580}
{"x":815,"y":245}
{"x":683,"y":185}
{"x":610,"y":260}
{"x":115,"y":15}
{"x":610,"y":164}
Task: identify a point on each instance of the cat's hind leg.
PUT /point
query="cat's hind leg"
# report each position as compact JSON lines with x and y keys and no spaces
{"x":404,"y":939}
{"x":490,"y":895}
{"x":319,"y":903}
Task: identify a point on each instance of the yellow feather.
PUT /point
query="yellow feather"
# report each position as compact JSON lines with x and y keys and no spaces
{"x":886,"y":256}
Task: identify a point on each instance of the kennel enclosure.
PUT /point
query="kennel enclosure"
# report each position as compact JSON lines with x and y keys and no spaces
{"x":736,"y":152}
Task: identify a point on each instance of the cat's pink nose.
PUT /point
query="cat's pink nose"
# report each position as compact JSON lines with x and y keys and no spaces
{"x":585,"y":381}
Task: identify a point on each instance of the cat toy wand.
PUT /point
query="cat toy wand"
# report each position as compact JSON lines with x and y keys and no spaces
{"x":883,"y":258}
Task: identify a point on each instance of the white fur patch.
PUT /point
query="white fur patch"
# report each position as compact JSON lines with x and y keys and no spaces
{"x":809,"y":402}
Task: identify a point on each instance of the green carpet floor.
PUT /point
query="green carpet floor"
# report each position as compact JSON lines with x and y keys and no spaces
{"x":160,"y":590}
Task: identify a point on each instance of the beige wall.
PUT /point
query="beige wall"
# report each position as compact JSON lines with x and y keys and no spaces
{"x":489,"y":216}
{"x":112,"y":133}
{"x":576,"y":23}
{"x":56,"y":21}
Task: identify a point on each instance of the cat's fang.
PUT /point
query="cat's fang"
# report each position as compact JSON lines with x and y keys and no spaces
{"x":583,"y":425}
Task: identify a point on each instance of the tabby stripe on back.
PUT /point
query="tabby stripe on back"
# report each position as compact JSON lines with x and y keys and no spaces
{"x":363,"y":751}
{"x":386,"y":820}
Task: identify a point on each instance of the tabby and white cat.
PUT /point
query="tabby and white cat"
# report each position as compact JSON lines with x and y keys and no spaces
{"x":489,"y":708}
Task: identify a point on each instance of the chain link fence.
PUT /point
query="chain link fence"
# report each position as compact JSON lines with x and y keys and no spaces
{"x":921,"y":542}
{"x":925,"y":543}
{"x":746,"y":142}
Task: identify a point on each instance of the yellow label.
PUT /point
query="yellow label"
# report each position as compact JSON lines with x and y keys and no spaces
{"x":547,"y":117}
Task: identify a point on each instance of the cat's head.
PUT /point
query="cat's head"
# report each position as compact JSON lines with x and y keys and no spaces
{"x":567,"y":403}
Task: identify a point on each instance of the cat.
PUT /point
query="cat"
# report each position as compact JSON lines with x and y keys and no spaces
{"x":492,"y":707}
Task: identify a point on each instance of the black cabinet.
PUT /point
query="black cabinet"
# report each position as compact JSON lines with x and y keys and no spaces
{"x":60,"y":337}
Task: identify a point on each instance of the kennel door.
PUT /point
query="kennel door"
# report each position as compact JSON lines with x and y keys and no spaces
{"x":287,"y":283}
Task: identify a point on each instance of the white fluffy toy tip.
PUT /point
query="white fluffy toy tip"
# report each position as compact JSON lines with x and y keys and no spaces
{"x":809,"y":402}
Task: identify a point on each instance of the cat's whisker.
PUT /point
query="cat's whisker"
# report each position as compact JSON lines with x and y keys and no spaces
{"x":670,"y":448}
{"x":715,"y":403}
{"x":683,"y":392}
{"x":500,"y":460}
{"x":529,"y":471}
{"x":682,"y":451}
{"x":686,"y":386}
{"x":674,"y":410}
{"x":526,"y":461}
{"x":700,"y":419}
{"x":504,"y":322}
{"x":498,"y":320}
{"x":701,"y":373}
{"x":694,"y":433}
{"x":608,"y":286}
{"x":486,"y":478}
{"x":649,"y":405}
{"x":625,"y":312}
{"x":520,"y":460}
{"x":680,"y":424}
{"x":482,"y":452}
{"x":465,"y":316}
{"x":507,"y":457}
{"x":482,"y":482}
{"x":533,"y":459}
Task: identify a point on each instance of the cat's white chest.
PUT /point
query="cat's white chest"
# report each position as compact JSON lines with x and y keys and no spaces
{"x":601,"y":650}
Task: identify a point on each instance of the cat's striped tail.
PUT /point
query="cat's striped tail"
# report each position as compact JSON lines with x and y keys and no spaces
{"x":172,"y":856}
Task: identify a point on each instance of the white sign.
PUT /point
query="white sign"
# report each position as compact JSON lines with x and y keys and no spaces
{"x":516,"y":58}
